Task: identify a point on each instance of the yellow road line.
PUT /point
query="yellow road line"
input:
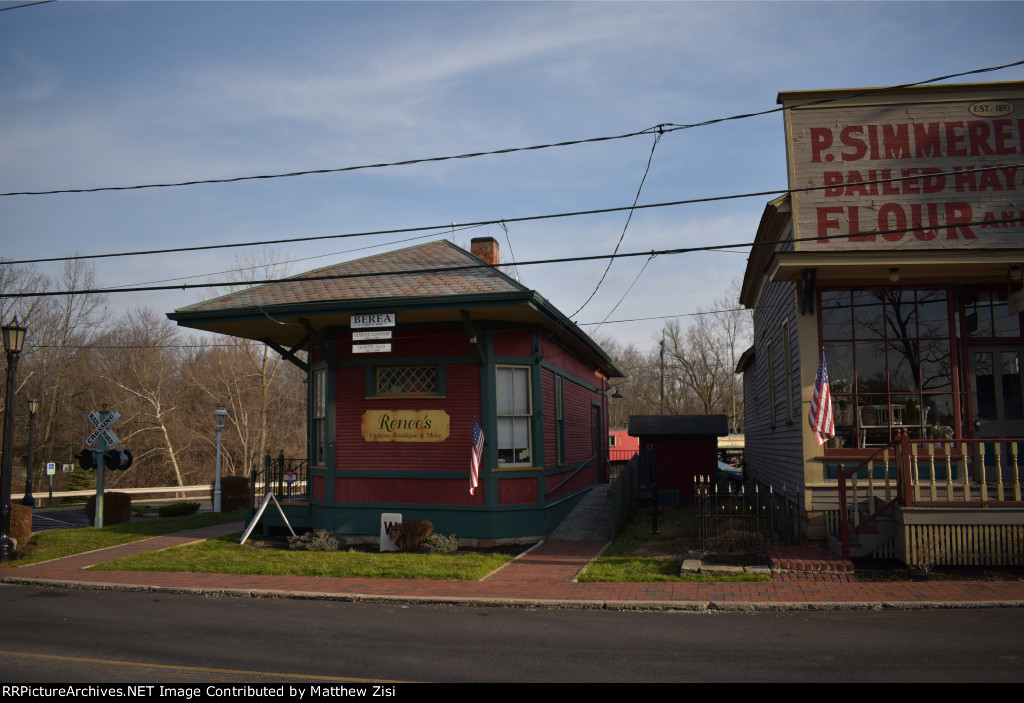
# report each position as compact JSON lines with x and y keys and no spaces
{"x":238,"y":672}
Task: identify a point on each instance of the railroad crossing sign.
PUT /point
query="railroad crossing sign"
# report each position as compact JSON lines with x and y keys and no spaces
{"x":103,"y":428}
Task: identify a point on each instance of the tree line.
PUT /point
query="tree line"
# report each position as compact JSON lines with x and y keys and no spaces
{"x":164,"y":382}
{"x":688,"y":370}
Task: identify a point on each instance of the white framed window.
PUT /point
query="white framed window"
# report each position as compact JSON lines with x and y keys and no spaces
{"x":514,"y":414}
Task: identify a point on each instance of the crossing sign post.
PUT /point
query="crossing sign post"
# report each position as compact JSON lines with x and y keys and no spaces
{"x":104,"y":437}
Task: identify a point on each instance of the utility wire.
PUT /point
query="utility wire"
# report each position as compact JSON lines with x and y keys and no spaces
{"x":635,"y":279}
{"x":467,"y":267}
{"x":343,"y":169}
{"x":650,"y":157}
{"x":528,"y":218}
{"x":661,"y":128}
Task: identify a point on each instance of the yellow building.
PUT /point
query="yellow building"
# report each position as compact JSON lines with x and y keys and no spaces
{"x":899,"y":252}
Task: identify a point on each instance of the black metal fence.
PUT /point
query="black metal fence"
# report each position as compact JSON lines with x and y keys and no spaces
{"x":285,"y":478}
{"x":730,"y":520}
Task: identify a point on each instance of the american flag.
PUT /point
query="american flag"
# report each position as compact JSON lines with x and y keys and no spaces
{"x":820,"y":417}
{"x":478,"y":451}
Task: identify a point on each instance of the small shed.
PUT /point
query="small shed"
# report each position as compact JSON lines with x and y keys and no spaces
{"x":684,"y":446}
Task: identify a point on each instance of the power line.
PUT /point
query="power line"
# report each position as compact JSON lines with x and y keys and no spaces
{"x":650,"y":157}
{"x":661,"y":128}
{"x":466,"y":267}
{"x":528,"y":218}
{"x":342,"y":169}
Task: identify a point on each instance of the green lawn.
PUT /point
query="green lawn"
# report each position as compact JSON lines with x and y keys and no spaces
{"x":638,"y":556}
{"x":62,"y":543}
{"x":226,"y":556}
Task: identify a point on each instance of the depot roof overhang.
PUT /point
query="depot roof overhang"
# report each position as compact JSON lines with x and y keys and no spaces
{"x":285,"y":325}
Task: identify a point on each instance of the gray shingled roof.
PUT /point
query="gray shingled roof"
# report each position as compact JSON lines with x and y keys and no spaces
{"x":373,"y":278}
{"x":678,"y":425}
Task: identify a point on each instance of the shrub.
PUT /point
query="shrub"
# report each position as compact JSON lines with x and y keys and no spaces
{"x":411,"y":534}
{"x":21,"y":524}
{"x":441,"y":544}
{"x":317,"y":541}
{"x":177,"y":509}
{"x":117,"y":507}
{"x":234,"y":493}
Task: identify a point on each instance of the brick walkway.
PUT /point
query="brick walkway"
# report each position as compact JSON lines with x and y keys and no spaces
{"x":541,"y":576}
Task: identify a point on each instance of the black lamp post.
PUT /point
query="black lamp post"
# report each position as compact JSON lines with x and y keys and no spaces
{"x":14,"y":338}
{"x":33,"y":408}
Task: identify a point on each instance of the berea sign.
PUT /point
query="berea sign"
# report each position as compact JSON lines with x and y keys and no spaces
{"x":103,"y":428}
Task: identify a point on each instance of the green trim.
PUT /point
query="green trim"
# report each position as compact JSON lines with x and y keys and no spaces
{"x":489,"y":415}
{"x":458,"y":474}
{"x":559,"y":371}
{"x":377,"y":360}
{"x":507,"y":521}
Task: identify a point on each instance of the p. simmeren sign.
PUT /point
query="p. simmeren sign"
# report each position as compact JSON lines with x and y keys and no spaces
{"x":957,"y":157}
{"x":405,"y":425}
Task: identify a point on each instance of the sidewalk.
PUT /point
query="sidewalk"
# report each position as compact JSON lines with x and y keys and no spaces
{"x":540,"y":577}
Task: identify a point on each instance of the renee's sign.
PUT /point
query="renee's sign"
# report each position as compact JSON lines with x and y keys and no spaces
{"x":405,"y":426}
{"x":935,"y":175}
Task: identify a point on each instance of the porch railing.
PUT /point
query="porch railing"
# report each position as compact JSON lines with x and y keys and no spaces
{"x":285,"y":478}
{"x":927,"y":472}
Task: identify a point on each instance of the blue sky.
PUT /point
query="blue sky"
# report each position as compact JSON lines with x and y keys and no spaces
{"x":121,"y":93}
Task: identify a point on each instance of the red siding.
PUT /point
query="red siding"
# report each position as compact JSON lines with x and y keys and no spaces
{"x":579,"y":433}
{"x":678,"y":460}
{"x":516,"y":491}
{"x":462,"y":403}
{"x":319,"y":488}
{"x":407,"y":490}
{"x":446,"y":340}
{"x":557,"y":355}
{"x":584,"y":477}
{"x":513,"y":343}
{"x":547,"y":381}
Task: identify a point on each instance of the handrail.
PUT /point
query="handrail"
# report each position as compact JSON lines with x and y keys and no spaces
{"x":907,"y":483}
{"x":567,"y":478}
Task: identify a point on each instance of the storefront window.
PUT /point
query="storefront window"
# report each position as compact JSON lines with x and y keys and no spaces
{"x":888,"y":354}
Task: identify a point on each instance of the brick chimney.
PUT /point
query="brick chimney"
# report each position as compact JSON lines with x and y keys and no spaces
{"x":486,"y":248}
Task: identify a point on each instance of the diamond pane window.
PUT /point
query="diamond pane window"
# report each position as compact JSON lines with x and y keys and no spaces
{"x":408,"y":380}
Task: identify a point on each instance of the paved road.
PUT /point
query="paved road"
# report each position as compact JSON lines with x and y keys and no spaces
{"x":93,"y":636}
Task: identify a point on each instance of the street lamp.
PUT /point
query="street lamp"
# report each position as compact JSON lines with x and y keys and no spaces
{"x":14,"y":338}
{"x":219,"y":416}
{"x":33,"y":408}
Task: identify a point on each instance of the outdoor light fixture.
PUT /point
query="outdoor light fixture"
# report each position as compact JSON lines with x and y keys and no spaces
{"x":616,"y":394}
{"x":219,"y":416}
{"x":894,"y":275}
{"x":33,"y":408}
{"x":14,"y":338}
